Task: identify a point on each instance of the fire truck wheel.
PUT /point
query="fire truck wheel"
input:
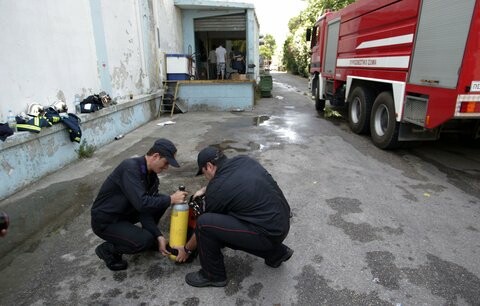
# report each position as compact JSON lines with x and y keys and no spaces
{"x":319,"y":103}
{"x":314,"y":86}
{"x":383,"y":126}
{"x":359,"y":108}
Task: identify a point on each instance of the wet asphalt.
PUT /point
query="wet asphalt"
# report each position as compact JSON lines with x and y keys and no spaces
{"x":369,"y":227}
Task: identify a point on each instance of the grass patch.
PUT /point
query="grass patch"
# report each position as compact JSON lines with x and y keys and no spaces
{"x":329,"y":112}
{"x":85,"y":150}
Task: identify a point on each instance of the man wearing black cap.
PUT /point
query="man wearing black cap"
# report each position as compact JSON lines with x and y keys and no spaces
{"x":130,"y":195}
{"x":244,"y":209}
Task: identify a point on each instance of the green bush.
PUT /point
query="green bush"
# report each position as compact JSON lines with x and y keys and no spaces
{"x":85,"y":150}
{"x":296,"y":56}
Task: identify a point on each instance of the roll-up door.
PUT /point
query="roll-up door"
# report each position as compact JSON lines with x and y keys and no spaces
{"x":226,"y":23}
{"x":440,"y":43}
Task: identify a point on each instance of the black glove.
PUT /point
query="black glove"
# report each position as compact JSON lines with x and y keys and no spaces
{"x":198,"y":204}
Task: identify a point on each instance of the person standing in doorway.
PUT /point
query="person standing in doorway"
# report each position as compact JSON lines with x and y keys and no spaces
{"x":212,"y":64}
{"x":238,"y":61}
{"x":221,"y":54}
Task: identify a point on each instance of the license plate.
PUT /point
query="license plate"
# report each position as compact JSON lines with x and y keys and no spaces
{"x":475,"y":86}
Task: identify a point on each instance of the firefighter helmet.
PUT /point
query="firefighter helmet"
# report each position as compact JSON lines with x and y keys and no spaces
{"x":105,"y":98}
{"x":34,"y":110}
{"x":60,"y":107}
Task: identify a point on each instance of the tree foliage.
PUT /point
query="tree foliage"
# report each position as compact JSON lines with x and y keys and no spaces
{"x":296,"y":56}
{"x":268,"y":48}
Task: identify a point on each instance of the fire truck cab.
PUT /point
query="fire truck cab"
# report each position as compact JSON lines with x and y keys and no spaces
{"x":407,"y":69}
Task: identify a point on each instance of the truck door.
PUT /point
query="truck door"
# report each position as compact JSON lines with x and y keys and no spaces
{"x":440,"y":42}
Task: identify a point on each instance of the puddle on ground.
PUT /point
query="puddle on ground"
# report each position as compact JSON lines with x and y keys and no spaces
{"x":283,"y":132}
{"x":230,"y":145}
{"x":259,"y":120}
{"x":286,"y":86}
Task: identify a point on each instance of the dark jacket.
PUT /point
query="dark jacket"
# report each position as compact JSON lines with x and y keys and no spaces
{"x":72,"y":122}
{"x":243,"y":189}
{"x":130,"y":193}
{"x":5,"y":131}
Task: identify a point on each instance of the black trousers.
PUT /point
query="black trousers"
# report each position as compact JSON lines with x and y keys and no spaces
{"x":216,"y":231}
{"x":212,"y":71}
{"x":126,"y":237}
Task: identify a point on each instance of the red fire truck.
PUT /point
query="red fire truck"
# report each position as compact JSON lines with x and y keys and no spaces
{"x":407,"y":69}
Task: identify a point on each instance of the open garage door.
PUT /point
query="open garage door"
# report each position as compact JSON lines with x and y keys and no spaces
{"x":226,"y":23}
{"x":228,"y":30}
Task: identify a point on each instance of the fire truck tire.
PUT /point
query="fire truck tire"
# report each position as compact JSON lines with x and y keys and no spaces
{"x":359,"y":108}
{"x":314,"y":85}
{"x":383,"y":126}
{"x":319,"y":103}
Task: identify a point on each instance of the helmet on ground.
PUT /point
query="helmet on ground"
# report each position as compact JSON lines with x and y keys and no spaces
{"x":34,"y":110}
{"x":60,"y":107}
{"x":105,"y":98}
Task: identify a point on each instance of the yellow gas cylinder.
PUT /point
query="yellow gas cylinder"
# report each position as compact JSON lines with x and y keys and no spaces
{"x":178,"y":226}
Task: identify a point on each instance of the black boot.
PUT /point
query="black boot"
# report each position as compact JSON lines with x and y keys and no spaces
{"x":198,"y":279}
{"x":113,"y":260}
{"x":276,"y":259}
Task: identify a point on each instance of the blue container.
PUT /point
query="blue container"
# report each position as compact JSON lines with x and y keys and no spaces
{"x":178,"y":63}
{"x":177,"y":76}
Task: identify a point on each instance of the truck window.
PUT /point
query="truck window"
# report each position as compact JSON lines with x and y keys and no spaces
{"x":313,"y":41}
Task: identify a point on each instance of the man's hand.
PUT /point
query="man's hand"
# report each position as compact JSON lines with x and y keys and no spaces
{"x":182,"y":255}
{"x":200,"y":192}
{"x":162,"y":245}
{"x":178,"y":197}
{"x":3,"y":233}
{"x":190,"y":245}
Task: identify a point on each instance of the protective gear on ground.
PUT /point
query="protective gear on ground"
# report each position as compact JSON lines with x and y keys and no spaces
{"x":52,"y":115}
{"x":33,"y":125}
{"x":5,"y":131}
{"x":72,"y":122}
{"x":60,"y":107}
{"x":105,"y":98}
{"x":35,"y":109}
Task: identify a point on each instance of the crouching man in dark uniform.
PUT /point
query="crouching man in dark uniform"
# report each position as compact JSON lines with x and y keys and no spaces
{"x":130,"y":195}
{"x":244,"y":210}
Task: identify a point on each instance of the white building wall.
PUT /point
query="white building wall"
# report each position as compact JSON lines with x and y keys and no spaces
{"x":47,"y":52}
{"x":253,"y":45}
{"x":169,"y":29}
{"x":169,"y":23}
{"x":53,"y":50}
{"x":123,"y":46}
